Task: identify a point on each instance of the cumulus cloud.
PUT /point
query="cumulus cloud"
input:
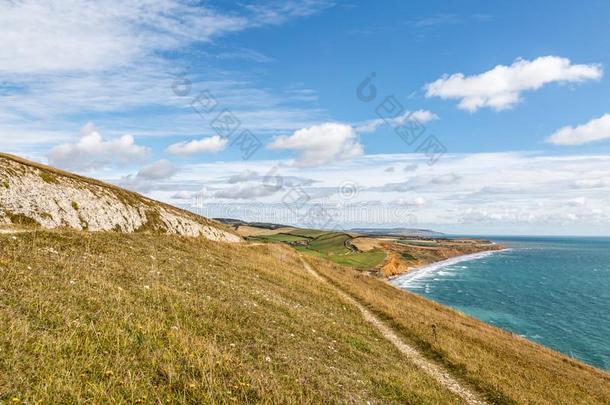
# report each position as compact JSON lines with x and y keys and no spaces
{"x":212,"y":144}
{"x":183,"y":195}
{"x":321,"y":144}
{"x":501,"y":87}
{"x":149,"y":176}
{"x":577,"y":202}
{"x":247,"y":192}
{"x":448,"y":178}
{"x":422,"y":182}
{"x":159,"y":170}
{"x":244,"y":176}
{"x":590,"y":183}
{"x":93,"y":151}
{"x":516,"y":192}
{"x":419,"y":116}
{"x":595,"y":130}
{"x":417,"y":201}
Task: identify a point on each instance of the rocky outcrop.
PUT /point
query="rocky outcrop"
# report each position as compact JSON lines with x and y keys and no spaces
{"x":32,"y":194}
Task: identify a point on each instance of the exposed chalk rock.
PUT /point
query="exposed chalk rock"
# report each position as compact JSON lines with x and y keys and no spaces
{"x":34,"y":194}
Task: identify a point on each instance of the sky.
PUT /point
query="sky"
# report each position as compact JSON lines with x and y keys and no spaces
{"x":468,"y":117}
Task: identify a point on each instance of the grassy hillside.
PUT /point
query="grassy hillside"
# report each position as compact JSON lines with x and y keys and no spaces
{"x":334,"y":246}
{"x":106,"y":317}
{"x":384,"y":255}
{"x":504,"y":367}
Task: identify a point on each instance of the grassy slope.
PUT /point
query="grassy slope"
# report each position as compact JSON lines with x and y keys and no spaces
{"x":506,"y":368}
{"x":330,"y":245}
{"x":308,"y":233}
{"x":279,"y":237}
{"x":107,"y":317}
{"x":364,"y":260}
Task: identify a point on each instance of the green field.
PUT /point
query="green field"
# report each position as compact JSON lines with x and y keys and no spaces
{"x":308,"y":233}
{"x":331,"y":243}
{"x":327,"y":245}
{"x":362,"y":260}
{"x":279,"y":237}
{"x":407,"y":256}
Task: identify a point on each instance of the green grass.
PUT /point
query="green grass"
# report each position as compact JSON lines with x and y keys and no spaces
{"x":328,"y":245}
{"x":114,"y":318}
{"x":308,"y":233}
{"x":278,"y":237}
{"x":332,"y":246}
{"x":48,"y":177}
{"x":22,"y":220}
{"x":362,"y":260}
{"x":407,"y":256}
{"x":331,"y":243}
{"x":315,"y":253}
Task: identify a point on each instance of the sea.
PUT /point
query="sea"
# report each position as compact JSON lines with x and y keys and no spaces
{"x":552,"y":290}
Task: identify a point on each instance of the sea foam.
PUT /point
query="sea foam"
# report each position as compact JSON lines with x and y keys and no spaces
{"x":414,"y":278}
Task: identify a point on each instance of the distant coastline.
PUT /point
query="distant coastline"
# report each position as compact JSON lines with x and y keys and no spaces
{"x":403,"y":280}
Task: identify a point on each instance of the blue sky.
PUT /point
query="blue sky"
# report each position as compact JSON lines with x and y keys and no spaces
{"x":516,"y":92}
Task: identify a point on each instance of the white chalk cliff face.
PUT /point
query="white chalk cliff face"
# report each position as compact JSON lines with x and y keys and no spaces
{"x":35,"y":195}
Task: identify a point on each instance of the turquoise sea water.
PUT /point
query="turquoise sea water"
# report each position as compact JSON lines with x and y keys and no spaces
{"x":555,"y":291}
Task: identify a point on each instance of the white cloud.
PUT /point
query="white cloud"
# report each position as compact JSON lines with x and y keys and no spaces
{"x":77,"y":35}
{"x":444,"y":179}
{"x":183,"y":195}
{"x":149,"y":176}
{"x":159,"y":170}
{"x":93,"y":151}
{"x":419,"y":116}
{"x":501,"y":87}
{"x":280,"y":12}
{"x":245,"y":176}
{"x":595,"y":130}
{"x":247,"y":192}
{"x":321,"y":144}
{"x":493,"y":193}
{"x":578,"y":202}
{"x":212,"y":144}
{"x":417,"y":201}
{"x":422,"y":116}
{"x":82,"y":56}
{"x":590,"y":183}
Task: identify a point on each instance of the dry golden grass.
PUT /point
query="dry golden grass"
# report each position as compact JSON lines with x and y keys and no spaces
{"x":503,"y":367}
{"x":113,"y":318}
{"x":366,"y":243}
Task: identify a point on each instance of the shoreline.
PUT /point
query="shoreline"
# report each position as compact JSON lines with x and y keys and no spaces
{"x":422,"y":271}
